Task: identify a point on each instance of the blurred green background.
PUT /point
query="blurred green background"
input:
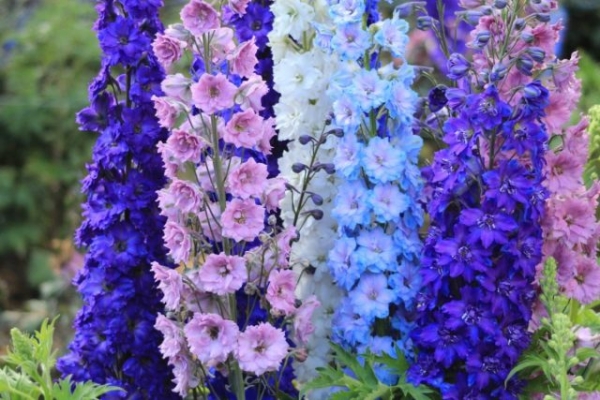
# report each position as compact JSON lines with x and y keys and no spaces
{"x":48,"y":55}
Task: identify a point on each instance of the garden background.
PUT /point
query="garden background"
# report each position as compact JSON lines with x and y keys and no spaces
{"x":48,"y":55}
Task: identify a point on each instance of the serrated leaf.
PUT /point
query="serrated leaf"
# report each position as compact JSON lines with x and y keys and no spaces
{"x":363,"y":373}
{"x":63,"y":390}
{"x":22,"y":346}
{"x":327,"y":377}
{"x":349,"y":395}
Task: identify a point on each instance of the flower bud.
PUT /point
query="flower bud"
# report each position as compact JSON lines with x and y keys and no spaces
{"x":336,"y":132}
{"x":301,"y":354}
{"x":317,"y":199}
{"x":424,"y":23}
{"x":500,"y":4}
{"x":498,"y":72}
{"x":486,"y":10}
{"x":542,"y":17}
{"x":525,"y":65}
{"x":407,"y":9}
{"x":481,"y":39}
{"x":520,"y":24}
{"x":472,"y":17}
{"x":458,"y":66}
{"x":527,"y":37}
{"x":537,"y":54}
{"x":298,"y":167}
{"x":304,"y":139}
{"x":316,"y":214}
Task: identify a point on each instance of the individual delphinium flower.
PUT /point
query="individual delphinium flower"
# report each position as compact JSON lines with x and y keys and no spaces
{"x":302,"y":73}
{"x":375,"y":258}
{"x":115,"y":341}
{"x":232,"y":309}
{"x":486,"y":204}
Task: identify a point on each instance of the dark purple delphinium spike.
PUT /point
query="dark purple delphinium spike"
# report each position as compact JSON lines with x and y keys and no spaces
{"x":486,"y":205}
{"x":115,"y":341}
{"x":479,"y":261}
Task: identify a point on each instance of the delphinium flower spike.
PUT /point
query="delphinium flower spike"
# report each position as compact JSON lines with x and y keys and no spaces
{"x":486,"y":203}
{"x":115,"y":341}
{"x":302,"y":73}
{"x":375,"y":258}
{"x":233,"y":307}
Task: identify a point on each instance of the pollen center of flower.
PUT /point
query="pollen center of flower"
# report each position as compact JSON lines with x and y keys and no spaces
{"x":373,"y":295}
{"x":557,"y":170}
{"x":239,"y":217}
{"x":214,"y":92}
{"x":260,"y":348}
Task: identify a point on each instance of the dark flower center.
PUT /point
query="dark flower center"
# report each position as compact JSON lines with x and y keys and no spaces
{"x":471,"y":315}
{"x":505,"y":288}
{"x":260,"y":348}
{"x":487,"y":221}
{"x":464,"y":252}
{"x":488,"y":106}
{"x":213,"y":332}
{"x":448,"y":337}
{"x":257,"y":25}
{"x":491,"y":365}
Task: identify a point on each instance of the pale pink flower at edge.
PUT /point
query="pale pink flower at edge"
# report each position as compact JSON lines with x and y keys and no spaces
{"x":178,"y":241}
{"x":261,"y":348}
{"x":303,"y":326}
{"x":281,"y":291}
{"x":170,"y":283}
{"x":274,"y":193}
{"x":199,"y":17}
{"x":166,"y":111}
{"x":173,"y":343}
{"x":251,"y":93}
{"x":168,"y":50}
{"x":243,"y":59}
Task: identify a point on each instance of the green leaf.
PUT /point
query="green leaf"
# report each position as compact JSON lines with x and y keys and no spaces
{"x":527,"y":362}
{"x":327,"y":377}
{"x":62,"y":390}
{"x":585,"y":353}
{"x":364,"y":374}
